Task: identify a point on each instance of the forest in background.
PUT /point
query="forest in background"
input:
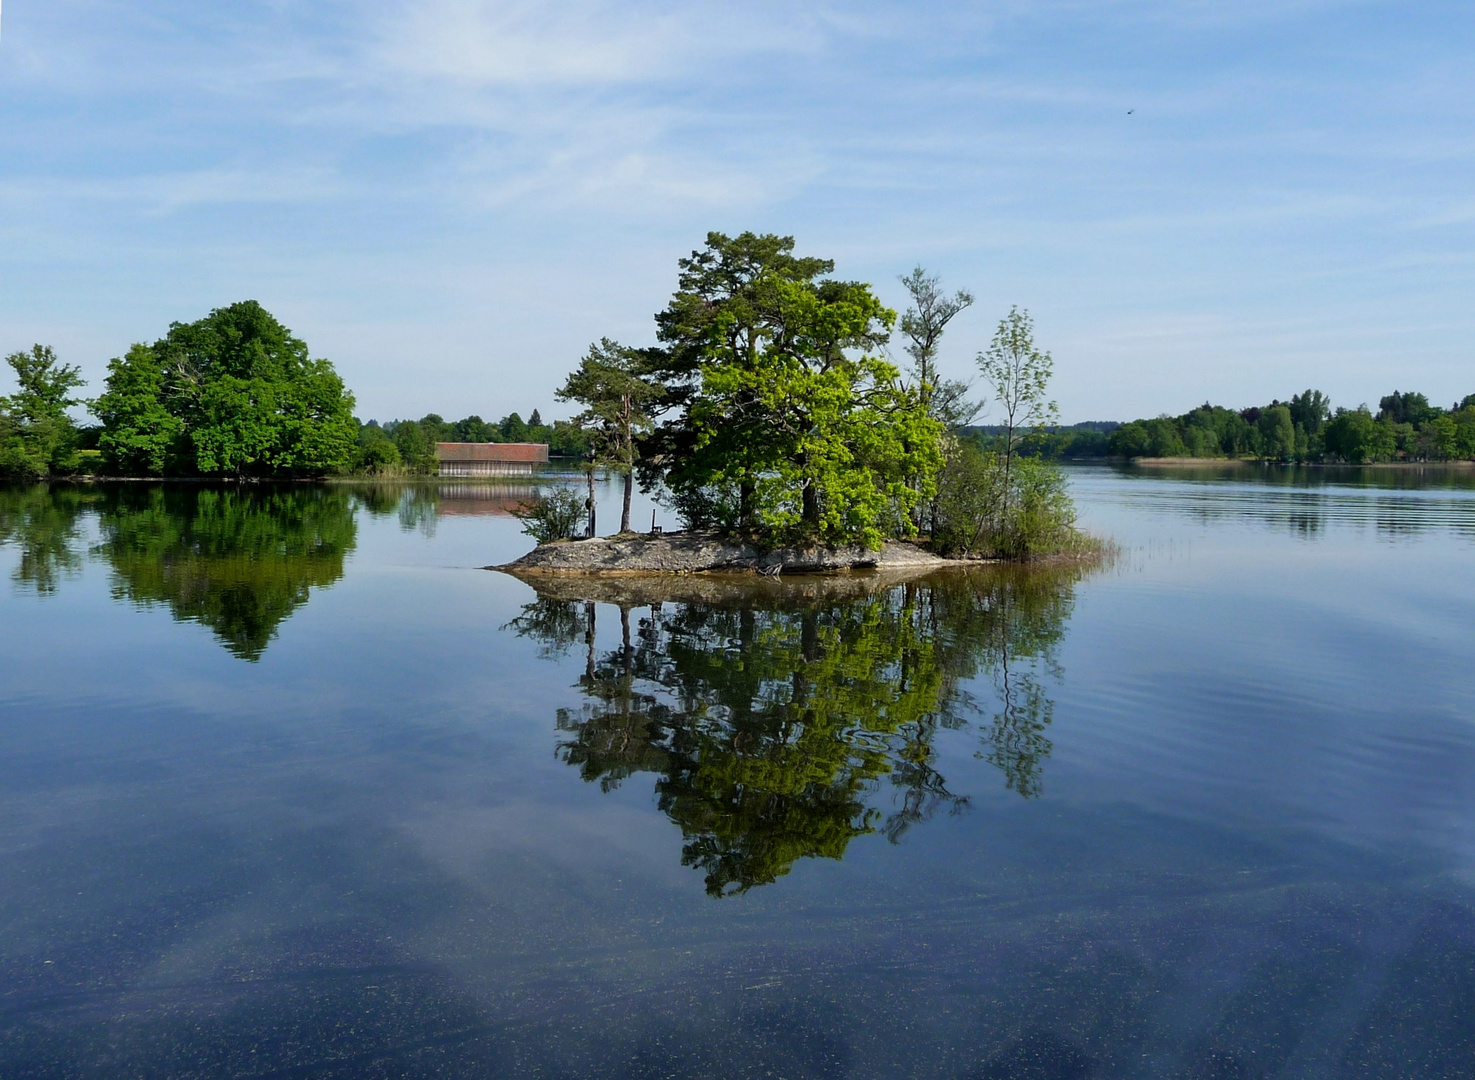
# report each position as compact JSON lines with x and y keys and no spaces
{"x":1305,"y":429}
{"x":409,"y":445}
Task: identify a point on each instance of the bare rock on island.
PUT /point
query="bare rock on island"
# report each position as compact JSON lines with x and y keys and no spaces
{"x":705,"y":552}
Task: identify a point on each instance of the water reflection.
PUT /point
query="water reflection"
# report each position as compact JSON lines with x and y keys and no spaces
{"x":419,"y":507}
{"x":46,"y":527}
{"x":1396,"y":503}
{"x":783,"y":720}
{"x":238,"y":560}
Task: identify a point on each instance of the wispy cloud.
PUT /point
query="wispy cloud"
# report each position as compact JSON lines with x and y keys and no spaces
{"x":467,"y":158}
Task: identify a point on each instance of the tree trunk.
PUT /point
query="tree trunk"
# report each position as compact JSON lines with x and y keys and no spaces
{"x":625,"y":510}
{"x":811,"y":506}
{"x":589,"y":533}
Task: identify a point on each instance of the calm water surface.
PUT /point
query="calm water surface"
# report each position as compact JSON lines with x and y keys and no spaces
{"x":290,"y":788}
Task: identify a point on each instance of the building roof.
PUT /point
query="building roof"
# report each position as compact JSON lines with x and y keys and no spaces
{"x":491,"y":451}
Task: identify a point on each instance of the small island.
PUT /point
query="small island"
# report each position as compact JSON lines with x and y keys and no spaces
{"x":770,"y":419}
{"x":709,"y":551}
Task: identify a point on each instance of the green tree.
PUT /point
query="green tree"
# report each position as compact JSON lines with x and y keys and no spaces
{"x":1310,"y":410}
{"x":784,"y":421}
{"x":1439,"y":438}
{"x":1406,"y":408}
{"x":37,"y":437}
{"x":232,"y":394}
{"x":923,"y":325}
{"x":1354,"y":436}
{"x":1019,"y":375}
{"x":378,"y":456}
{"x":513,"y":428}
{"x":415,"y":445}
{"x":140,"y":436}
{"x":1464,"y":442}
{"x":1277,"y":433}
{"x":976,"y":514}
{"x":610,"y":382}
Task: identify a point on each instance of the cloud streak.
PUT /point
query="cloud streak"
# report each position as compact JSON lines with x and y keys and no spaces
{"x":460,"y":169}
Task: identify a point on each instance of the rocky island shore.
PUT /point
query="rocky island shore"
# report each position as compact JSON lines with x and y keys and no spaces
{"x":697,"y":552}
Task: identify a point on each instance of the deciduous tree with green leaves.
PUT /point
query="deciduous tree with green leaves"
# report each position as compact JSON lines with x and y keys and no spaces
{"x":232,"y":394}
{"x":139,"y":432}
{"x":1019,"y":375}
{"x":37,"y":436}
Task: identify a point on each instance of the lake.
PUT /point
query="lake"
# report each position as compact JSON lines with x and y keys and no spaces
{"x":290,"y":787}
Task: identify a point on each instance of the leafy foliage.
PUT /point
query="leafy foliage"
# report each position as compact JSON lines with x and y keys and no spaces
{"x":37,"y":437}
{"x":139,"y":433}
{"x":233,"y":394}
{"x":555,"y":516}
{"x":1406,"y":427}
{"x":783,"y":421}
{"x":1019,"y":375}
{"x":610,"y":383}
{"x":1020,"y":513}
{"x":923,"y":324}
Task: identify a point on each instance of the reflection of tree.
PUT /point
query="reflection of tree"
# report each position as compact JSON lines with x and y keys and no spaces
{"x":238,"y":560}
{"x":414,"y":505}
{"x":44,"y":523}
{"x":773,"y":725}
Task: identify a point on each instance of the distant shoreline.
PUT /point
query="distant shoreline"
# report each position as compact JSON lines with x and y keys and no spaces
{"x":1466,"y":464}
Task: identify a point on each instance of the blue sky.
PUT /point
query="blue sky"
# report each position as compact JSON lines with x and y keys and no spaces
{"x":451,"y":198}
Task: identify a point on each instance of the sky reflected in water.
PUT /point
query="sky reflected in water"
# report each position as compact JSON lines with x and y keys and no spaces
{"x":290,"y":787}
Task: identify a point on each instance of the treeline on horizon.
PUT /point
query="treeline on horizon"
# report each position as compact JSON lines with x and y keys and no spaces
{"x":409,"y":445}
{"x":236,"y":395}
{"x":1305,"y":429}
{"x":233,"y":395}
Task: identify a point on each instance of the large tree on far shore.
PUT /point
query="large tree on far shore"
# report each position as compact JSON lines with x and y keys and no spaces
{"x":37,"y":436}
{"x":233,"y":394}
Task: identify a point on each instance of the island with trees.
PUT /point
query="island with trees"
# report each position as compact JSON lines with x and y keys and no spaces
{"x":769,"y":417}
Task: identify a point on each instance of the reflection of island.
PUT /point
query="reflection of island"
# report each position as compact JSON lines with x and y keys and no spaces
{"x":775,"y":717}
{"x":238,"y":560}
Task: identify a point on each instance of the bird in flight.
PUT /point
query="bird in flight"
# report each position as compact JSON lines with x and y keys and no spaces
{"x":1131,"y":111}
